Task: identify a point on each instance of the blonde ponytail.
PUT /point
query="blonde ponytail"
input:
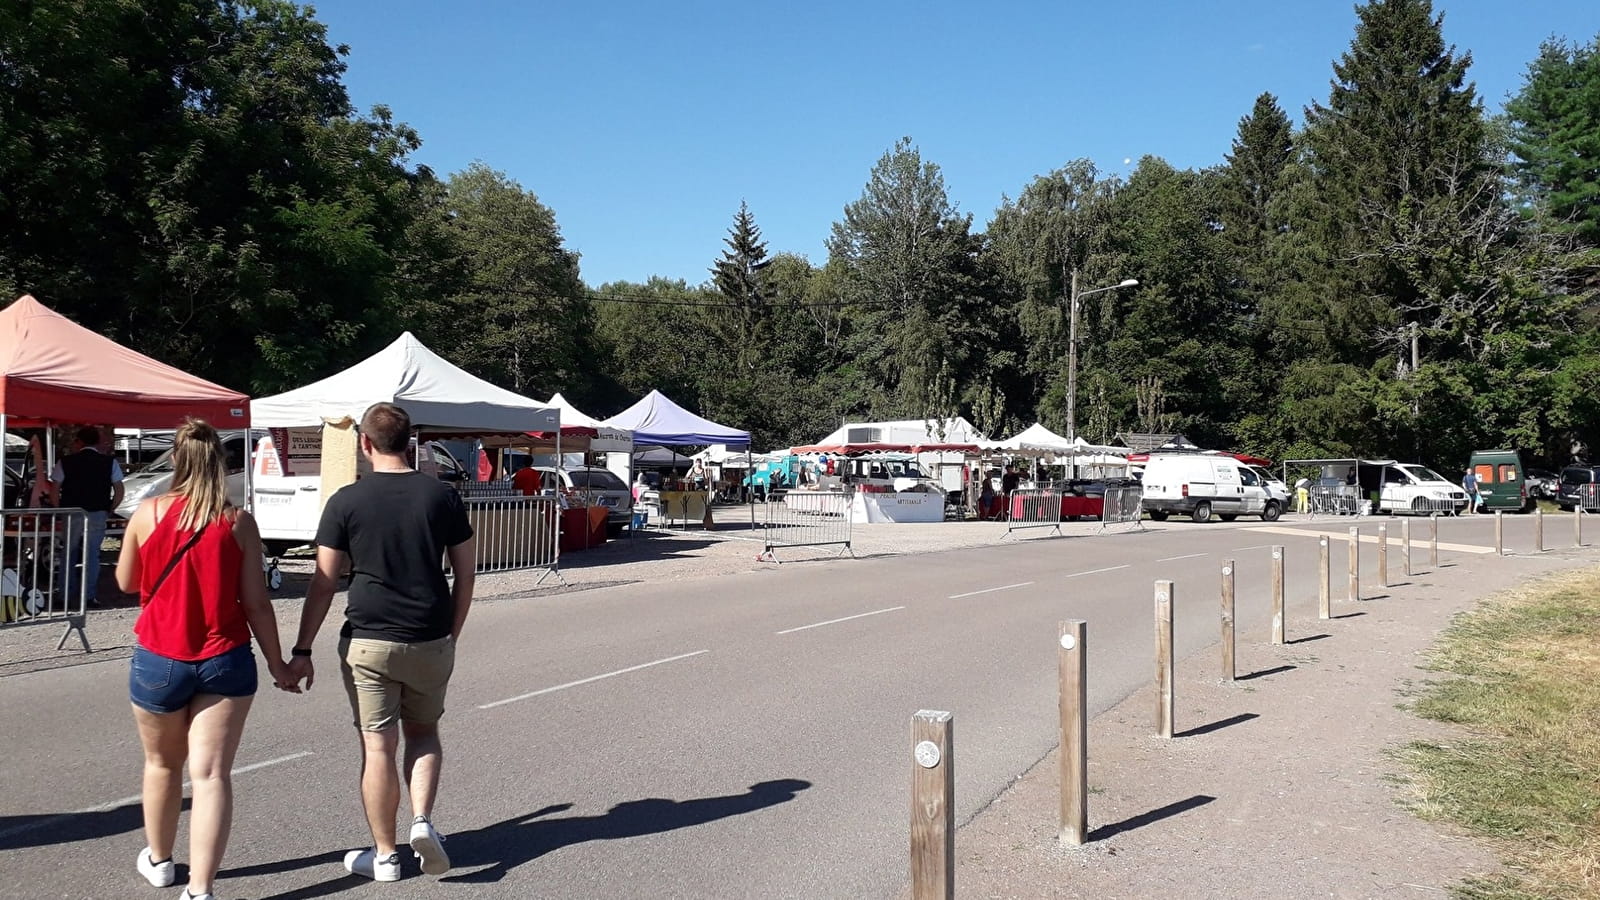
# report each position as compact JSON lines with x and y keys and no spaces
{"x":199,"y":474}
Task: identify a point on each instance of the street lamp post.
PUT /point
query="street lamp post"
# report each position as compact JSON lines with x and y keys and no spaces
{"x":1072,"y":348}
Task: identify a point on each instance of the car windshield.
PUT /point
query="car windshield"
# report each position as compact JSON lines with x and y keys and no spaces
{"x":232,"y":446}
{"x":1423,"y":473}
{"x":597,"y":479}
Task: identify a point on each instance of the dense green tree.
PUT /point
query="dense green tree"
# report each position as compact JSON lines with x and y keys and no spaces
{"x":190,"y":177}
{"x":1057,"y":225}
{"x":519,"y":314}
{"x":903,"y":248}
{"x":1254,"y":175}
{"x":1556,"y":136}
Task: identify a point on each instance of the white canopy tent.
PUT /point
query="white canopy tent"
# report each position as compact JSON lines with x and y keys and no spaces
{"x":606,"y":438}
{"x":438,"y":396}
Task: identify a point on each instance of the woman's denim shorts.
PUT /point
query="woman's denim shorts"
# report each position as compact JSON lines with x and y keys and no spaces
{"x":163,"y":685}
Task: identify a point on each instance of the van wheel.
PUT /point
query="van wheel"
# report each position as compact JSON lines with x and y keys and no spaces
{"x":1158,"y":515}
{"x":1271,"y":513}
{"x":1202,"y":511}
{"x":1227,"y":517}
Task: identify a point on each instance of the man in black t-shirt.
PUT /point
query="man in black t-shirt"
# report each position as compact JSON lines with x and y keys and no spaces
{"x":393,"y":529}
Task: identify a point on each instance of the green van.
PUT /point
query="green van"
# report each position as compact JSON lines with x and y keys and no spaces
{"x":1502,"y":480}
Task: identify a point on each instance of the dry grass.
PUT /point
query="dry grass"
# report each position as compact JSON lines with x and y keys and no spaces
{"x":1523,"y":678}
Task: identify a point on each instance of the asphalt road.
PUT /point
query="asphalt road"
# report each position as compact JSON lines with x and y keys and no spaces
{"x":742,"y":736}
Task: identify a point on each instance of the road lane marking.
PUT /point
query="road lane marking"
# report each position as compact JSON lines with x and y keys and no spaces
{"x":845,"y":619}
{"x":1003,"y":587}
{"x":1094,"y":571}
{"x":1251,"y":547}
{"x":593,"y":678}
{"x":1372,"y":538}
{"x":120,"y":802}
{"x":1189,"y":556}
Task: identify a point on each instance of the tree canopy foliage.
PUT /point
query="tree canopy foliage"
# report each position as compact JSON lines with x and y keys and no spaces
{"x":1399,"y":274}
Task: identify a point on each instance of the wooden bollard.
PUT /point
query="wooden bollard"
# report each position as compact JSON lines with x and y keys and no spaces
{"x":1325,"y":582}
{"x":933,"y":808}
{"x":1499,"y":533}
{"x":1164,"y":698}
{"x":1405,"y":545}
{"x":1073,"y":668}
{"x":1355,"y":564}
{"x":1277,"y":594}
{"x":1229,"y":670}
{"x":1383,"y":555}
{"x":1433,"y":542}
{"x":1538,"y":530}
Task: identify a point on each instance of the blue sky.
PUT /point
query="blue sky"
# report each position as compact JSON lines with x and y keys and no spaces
{"x":644,"y":124}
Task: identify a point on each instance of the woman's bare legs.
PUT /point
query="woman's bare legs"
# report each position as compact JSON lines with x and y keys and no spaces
{"x":165,"y":737}
{"x":216,"y":725}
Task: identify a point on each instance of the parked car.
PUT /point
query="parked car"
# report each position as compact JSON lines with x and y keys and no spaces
{"x":601,"y":484}
{"x":1572,"y":491}
{"x":1543,"y":484}
{"x":1201,"y":485}
{"x":156,"y":478}
{"x":1502,"y":481}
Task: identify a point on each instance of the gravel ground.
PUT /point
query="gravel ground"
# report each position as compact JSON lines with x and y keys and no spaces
{"x":1278,"y":785}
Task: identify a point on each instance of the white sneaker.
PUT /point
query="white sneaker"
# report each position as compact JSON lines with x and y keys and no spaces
{"x":428,"y":844}
{"x":368,"y":864}
{"x":188,"y":896}
{"x":160,"y":874}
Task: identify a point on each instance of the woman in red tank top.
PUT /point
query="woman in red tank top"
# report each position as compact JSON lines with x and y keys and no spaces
{"x":193,"y":560}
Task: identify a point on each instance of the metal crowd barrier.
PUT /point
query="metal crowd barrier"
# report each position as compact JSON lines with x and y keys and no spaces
{"x":515,"y":533}
{"x":808,"y":519}
{"x":1334,"y":500}
{"x":35,"y":587}
{"x":1033,"y":508}
{"x":1589,"y":497}
{"x":488,"y":489}
{"x":1123,"y":505}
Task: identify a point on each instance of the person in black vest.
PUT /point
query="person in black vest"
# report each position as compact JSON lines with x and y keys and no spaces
{"x":91,"y":481}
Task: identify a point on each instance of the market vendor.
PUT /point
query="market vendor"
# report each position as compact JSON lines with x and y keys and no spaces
{"x":528,"y":481}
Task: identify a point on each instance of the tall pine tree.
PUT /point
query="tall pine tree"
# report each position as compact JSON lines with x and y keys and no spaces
{"x":1555,"y":122}
{"x":1401,"y":178}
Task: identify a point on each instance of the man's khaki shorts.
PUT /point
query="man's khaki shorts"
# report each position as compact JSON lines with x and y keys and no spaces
{"x":390,"y":682}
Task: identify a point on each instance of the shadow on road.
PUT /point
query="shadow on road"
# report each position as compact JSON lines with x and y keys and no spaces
{"x":1348,"y":615}
{"x":1275,"y":670}
{"x":1219,"y":725}
{"x":1150,"y":818}
{"x":514,"y":842}
{"x":1309,"y":638}
{"x":505,"y":845}
{"x":46,"y":829}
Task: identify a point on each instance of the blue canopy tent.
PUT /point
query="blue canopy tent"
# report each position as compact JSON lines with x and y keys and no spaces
{"x":656,"y":421}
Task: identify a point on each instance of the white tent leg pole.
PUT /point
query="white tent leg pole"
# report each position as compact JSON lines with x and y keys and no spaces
{"x":3,"y":420}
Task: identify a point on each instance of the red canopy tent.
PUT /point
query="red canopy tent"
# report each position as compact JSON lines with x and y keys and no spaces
{"x":53,"y":370}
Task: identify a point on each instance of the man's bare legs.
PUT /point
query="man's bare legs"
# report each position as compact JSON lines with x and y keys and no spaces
{"x":424,"y":758}
{"x":380,"y":786}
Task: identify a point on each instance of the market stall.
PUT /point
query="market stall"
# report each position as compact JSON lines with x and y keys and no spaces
{"x":657,"y":421}
{"x":54,"y":371}
{"x":313,"y":427}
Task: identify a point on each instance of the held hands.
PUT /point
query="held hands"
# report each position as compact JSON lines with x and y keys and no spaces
{"x":283,"y":676}
{"x":300,"y":668}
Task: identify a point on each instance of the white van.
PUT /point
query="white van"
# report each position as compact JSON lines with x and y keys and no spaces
{"x":287,"y":486}
{"x":1202,"y":486}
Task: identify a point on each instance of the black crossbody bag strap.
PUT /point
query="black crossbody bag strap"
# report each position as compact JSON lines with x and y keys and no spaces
{"x":173,"y":563}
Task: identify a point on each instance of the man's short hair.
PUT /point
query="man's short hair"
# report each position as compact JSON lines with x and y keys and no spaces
{"x":388,"y":427}
{"x":89,"y":436}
